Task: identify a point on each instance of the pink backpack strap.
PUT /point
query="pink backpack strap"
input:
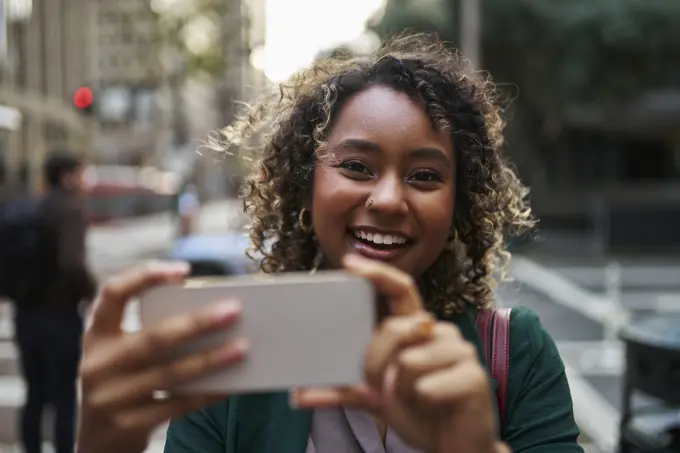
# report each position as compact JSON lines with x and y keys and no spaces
{"x":497,"y":350}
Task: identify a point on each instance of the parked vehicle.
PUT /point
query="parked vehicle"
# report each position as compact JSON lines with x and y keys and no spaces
{"x":213,"y":255}
{"x":119,"y":192}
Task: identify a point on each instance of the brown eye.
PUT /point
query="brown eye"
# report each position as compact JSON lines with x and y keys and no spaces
{"x":355,"y":167}
{"x":426,"y":176}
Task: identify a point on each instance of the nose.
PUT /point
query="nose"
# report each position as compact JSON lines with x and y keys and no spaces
{"x":388,"y":196}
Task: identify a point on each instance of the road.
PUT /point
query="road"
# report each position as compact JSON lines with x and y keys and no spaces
{"x":116,"y":247}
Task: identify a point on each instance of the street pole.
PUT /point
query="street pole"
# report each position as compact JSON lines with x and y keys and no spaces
{"x":230,"y":90}
{"x":471,"y":31}
{"x":180,"y":135}
{"x":232,"y":40}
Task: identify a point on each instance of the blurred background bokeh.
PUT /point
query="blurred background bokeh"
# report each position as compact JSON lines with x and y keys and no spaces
{"x":592,"y":96}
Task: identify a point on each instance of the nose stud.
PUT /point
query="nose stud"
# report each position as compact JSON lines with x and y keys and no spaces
{"x":369,"y":203}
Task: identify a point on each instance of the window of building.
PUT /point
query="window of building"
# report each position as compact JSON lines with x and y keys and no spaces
{"x":55,"y":134}
{"x":127,"y":32}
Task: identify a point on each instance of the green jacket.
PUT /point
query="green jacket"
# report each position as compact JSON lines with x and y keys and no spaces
{"x":539,"y":408}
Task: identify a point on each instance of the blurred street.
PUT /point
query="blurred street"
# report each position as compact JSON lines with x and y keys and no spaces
{"x":114,"y":247}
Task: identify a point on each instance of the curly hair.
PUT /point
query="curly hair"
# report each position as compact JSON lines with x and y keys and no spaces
{"x":294,"y":124}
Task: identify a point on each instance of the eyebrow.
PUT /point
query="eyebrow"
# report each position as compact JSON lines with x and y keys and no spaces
{"x":371,"y":147}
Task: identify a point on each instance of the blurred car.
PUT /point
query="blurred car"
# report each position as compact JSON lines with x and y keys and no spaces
{"x":213,"y":255}
{"x":118,"y":192}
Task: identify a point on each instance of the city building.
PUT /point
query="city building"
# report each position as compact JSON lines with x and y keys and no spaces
{"x":145,"y":111}
{"x":243,"y":35}
{"x":152,"y":110}
{"x":45,"y":58}
{"x":127,"y":75}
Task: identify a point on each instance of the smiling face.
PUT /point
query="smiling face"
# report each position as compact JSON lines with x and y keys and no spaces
{"x":385,"y":186}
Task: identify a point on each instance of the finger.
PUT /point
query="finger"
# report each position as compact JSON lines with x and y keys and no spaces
{"x":130,"y":389}
{"x":151,"y":415}
{"x":418,"y":360}
{"x":403,"y":295}
{"x":452,"y":384}
{"x":360,"y":397}
{"x":394,"y":334}
{"x":144,"y":348}
{"x":502,"y":447}
{"x":108,"y":309}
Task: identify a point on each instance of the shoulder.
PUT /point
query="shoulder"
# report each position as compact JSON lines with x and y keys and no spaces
{"x":540,"y":414}
{"x":532,"y":349}
{"x":59,"y":204}
{"x":527,"y":335}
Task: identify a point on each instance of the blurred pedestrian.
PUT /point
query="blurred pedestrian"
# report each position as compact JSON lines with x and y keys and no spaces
{"x":48,"y":321}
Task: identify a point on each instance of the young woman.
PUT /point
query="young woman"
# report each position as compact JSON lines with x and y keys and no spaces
{"x":390,"y":167}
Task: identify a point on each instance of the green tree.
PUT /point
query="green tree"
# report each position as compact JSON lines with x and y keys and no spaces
{"x":193,"y":32}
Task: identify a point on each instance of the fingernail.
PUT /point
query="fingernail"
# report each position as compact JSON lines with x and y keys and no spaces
{"x":241,"y":344}
{"x":234,"y":350}
{"x":226,"y":310}
{"x":425,"y":329}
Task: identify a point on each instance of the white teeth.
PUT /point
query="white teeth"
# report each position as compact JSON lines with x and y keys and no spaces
{"x":377,"y":238}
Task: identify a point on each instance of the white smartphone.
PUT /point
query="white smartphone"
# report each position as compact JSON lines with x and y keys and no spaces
{"x":303,"y":330}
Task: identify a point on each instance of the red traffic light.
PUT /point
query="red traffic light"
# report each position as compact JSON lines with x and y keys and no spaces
{"x":83,"y":97}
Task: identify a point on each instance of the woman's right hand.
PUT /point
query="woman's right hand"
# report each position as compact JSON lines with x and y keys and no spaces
{"x":119,"y":371}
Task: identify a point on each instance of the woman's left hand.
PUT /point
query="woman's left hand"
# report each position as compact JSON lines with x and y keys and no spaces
{"x":424,"y":380}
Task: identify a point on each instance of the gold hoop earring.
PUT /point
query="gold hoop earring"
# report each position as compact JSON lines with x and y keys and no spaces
{"x":306,"y":227}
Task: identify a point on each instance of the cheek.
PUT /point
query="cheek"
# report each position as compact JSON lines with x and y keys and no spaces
{"x":436,"y":216}
{"x":332,"y":199}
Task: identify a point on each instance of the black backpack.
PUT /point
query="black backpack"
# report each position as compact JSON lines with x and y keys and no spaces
{"x":27,"y":251}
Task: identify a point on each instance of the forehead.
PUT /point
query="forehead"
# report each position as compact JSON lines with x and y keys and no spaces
{"x":389,"y":117}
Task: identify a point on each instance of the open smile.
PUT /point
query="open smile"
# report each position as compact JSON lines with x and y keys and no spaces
{"x":382,"y":246}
